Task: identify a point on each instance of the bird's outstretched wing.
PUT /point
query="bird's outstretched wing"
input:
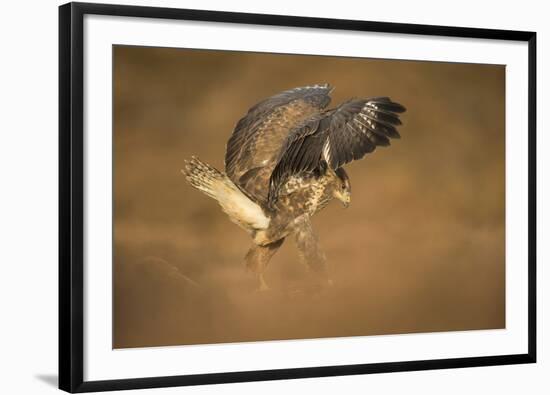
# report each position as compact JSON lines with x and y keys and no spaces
{"x":336,"y":137}
{"x":253,"y":148}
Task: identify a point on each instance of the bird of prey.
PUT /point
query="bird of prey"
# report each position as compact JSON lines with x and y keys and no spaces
{"x":284,"y":162}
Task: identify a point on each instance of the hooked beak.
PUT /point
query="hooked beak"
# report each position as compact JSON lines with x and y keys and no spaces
{"x":344,"y":198}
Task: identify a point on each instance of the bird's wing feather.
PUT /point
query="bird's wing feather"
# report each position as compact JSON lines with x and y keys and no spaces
{"x":335,"y":138}
{"x":253,"y":148}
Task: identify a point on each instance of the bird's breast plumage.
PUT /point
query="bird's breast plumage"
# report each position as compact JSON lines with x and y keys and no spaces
{"x":305,"y":194}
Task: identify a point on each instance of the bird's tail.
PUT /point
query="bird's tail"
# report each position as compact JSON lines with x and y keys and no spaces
{"x":204,"y":177}
{"x":218,"y":186}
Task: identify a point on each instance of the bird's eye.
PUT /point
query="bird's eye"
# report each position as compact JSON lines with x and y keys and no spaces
{"x":343,"y":186}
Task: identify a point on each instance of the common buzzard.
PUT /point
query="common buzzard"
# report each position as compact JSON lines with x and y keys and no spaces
{"x":283,"y":163}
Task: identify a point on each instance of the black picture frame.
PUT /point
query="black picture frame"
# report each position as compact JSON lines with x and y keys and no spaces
{"x":71,"y":204}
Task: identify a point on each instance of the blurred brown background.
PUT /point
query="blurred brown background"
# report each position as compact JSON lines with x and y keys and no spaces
{"x":420,"y":249}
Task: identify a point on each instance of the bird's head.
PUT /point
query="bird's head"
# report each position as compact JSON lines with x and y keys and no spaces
{"x":342,"y":190}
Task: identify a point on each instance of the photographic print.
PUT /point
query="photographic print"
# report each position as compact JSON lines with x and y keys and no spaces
{"x":262,"y":196}
{"x":250,"y":197}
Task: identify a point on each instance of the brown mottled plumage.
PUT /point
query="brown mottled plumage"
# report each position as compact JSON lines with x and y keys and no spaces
{"x":283,"y":164}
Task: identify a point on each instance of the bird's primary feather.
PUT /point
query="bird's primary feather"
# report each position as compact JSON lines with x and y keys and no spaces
{"x":334,"y":138}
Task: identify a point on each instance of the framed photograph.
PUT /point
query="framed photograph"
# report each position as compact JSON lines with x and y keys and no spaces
{"x":251,"y":197}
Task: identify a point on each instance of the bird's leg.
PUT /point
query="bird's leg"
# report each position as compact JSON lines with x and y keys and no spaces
{"x":308,"y":246}
{"x":258,"y":257}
